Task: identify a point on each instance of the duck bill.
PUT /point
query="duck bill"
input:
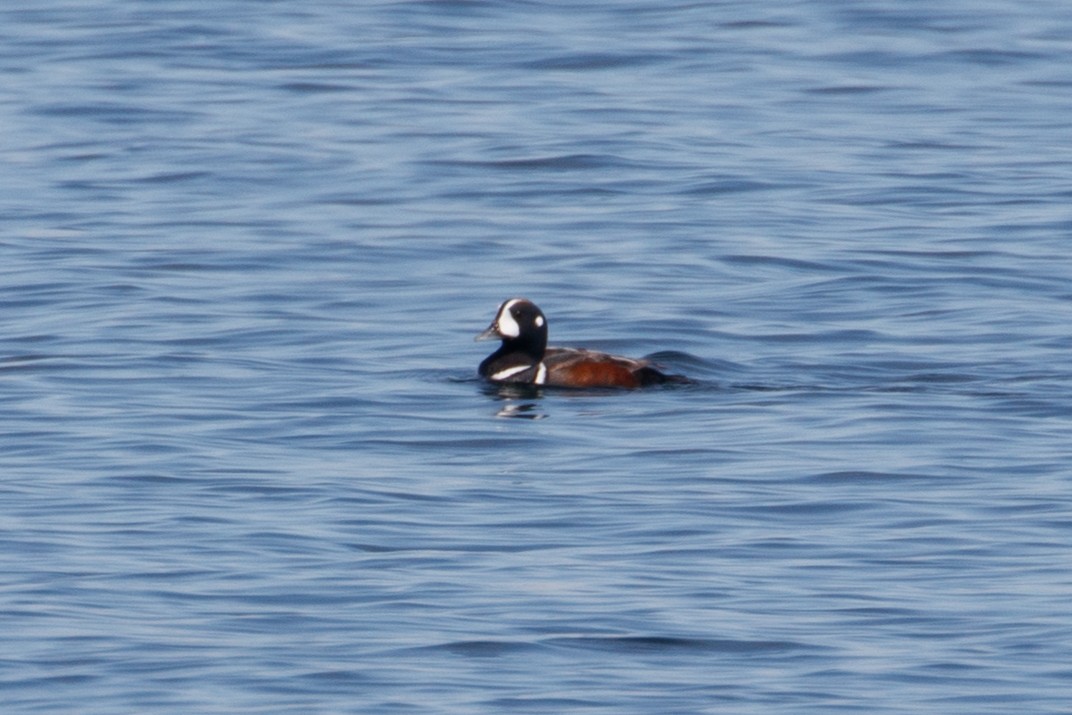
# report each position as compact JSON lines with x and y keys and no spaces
{"x":492,"y":333}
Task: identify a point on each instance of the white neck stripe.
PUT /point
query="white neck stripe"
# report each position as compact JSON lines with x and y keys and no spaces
{"x":511,"y":371}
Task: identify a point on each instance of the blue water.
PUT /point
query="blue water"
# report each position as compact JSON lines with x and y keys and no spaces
{"x":245,"y":464}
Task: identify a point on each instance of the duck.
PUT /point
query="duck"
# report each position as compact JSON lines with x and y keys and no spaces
{"x":525,"y":358}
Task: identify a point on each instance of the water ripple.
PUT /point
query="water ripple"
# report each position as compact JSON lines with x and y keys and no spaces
{"x":247,"y":462}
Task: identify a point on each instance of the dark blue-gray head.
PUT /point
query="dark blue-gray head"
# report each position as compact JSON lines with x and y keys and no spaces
{"x":521,"y":327}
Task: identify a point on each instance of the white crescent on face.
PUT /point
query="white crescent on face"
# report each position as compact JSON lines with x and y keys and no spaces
{"x":506,"y":324}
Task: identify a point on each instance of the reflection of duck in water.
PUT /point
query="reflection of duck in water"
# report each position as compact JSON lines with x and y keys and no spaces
{"x":524,"y":358}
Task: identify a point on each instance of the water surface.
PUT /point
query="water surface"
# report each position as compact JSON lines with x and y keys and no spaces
{"x":246,"y":463}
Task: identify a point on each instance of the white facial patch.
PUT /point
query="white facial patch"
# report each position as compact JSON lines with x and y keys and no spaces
{"x":511,"y":371}
{"x":539,"y":321}
{"x":508,"y":327}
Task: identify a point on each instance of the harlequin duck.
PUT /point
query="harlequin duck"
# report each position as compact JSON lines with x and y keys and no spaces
{"x":525,"y":358}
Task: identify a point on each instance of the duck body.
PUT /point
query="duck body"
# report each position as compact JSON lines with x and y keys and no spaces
{"x":525,"y":358}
